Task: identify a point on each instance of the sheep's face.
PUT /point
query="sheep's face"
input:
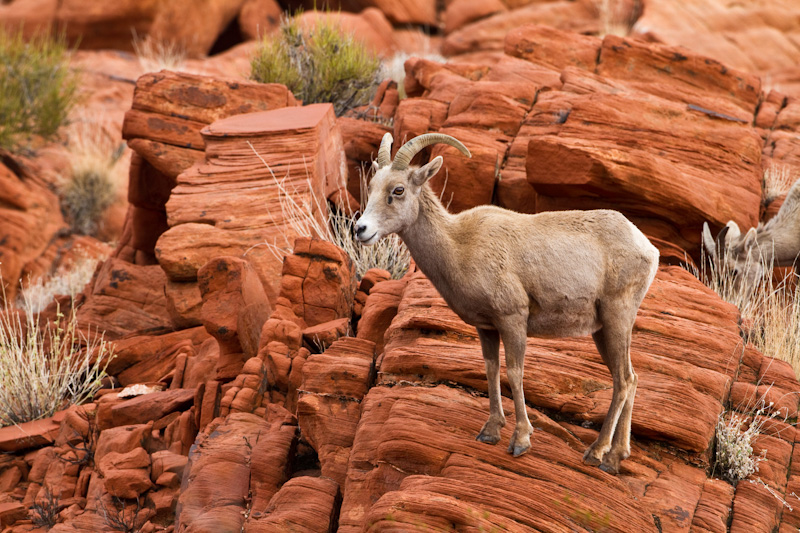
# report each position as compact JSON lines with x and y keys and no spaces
{"x":746,"y":266}
{"x":393,"y":202}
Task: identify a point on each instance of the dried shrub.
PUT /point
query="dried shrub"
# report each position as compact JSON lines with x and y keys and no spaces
{"x":300,"y":211}
{"x":155,"y":55}
{"x":46,"y":365}
{"x":37,"y":87}
{"x":44,"y":511}
{"x":68,"y":281}
{"x":320,"y":64}
{"x":92,"y":187}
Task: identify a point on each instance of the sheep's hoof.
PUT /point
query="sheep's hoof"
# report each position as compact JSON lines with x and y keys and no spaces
{"x":518,"y":449}
{"x":609,"y":468}
{"x":590,"y":457}
{"x":488,"y":438}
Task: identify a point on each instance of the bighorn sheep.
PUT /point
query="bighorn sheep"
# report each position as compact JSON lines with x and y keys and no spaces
{"x":512,"y":276}
{"x":775,"y":243}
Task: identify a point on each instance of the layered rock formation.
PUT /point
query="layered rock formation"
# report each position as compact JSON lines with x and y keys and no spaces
{"x":267,"y":393}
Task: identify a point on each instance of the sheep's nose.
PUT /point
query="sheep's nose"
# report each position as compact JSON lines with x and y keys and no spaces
{"x":360,"y":228}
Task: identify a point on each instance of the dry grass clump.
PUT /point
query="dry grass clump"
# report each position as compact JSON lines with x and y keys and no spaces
{"x":618,"y":17}
{"x":394,"y":67}
{"x":92,"y":188}
{"x":778,"y":179}
{"x":155,"y":55}
{"x":310,"y":216}
{"x":69,"y":281}
{"x":770,"y":311}
{"x":46,"y":366}
{"x":320,"y":64}
{"x":37,"y":87}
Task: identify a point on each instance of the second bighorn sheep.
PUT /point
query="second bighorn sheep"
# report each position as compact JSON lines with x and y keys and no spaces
{"x":556,"y":274}
{"x":776,"y":243}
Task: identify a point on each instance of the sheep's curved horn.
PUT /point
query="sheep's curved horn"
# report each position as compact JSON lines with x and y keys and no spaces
{"x":722,"y":246}
{"x":385,"y":151}
{"x":407,"y":152}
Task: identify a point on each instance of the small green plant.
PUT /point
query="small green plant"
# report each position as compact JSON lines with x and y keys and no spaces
{"x":46,"y":365}
{"x":37,"y":87}
{"x":320,"y":64}
{"x":92,"y":188}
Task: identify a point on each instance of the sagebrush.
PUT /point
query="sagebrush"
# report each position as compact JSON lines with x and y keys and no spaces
{"x":37,"y":86}
{"x":47,"y":366}
{"x":318,"y":64}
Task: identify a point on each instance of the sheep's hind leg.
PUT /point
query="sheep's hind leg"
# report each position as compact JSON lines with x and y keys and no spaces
{"x":514,"y":340}
{"x":490,"y":345}
{"x":613,"y":343}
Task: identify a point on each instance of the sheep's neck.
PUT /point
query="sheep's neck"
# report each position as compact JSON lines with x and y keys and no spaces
{"x":428,"y":238}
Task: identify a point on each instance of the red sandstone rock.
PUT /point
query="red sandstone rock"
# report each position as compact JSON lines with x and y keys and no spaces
{"x":370,"y":26}
{"x":328,"y":407}
{"x":379,"y":311}
{"x":235,"y":308}
{"x":259,"y":17}
{"x":151,"y":406}
{"x":321,"y":336}
{"x":489,"y":33}
{"x":242,"y":214}
{"x":125,"y":298}
{"x":760,"y":39}
{"x":27,"y":435}
{"x":219,"y":475}
{"x":269,"y":463}
{"x":29,"y":218}
{"x":304,"y":504}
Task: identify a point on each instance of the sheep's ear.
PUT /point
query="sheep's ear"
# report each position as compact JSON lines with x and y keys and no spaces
{"x":423,"y":174}
{"x":708,"y":241}
{"x":750,"y":238}
{"x":375,"y":167}
{"x":734,"y":233}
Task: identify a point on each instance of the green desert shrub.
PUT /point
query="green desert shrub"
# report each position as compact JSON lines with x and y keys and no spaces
{"x":320,"y":64}
{"x":37,"y":87}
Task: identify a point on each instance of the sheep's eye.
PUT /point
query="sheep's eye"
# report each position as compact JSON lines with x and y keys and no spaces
{"x":398,"y":191}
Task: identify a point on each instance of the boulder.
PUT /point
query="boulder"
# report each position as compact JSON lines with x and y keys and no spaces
{"x":218,"y":209}
{"x":234,"y":310}
{"x":124,"y":298}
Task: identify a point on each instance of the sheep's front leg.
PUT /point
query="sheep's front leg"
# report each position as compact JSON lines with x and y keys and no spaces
{"x":514,"y":335}
{"x":490,"y":345}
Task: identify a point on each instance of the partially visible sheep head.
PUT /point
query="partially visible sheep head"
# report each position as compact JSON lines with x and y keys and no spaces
{"x":734,"y":253}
